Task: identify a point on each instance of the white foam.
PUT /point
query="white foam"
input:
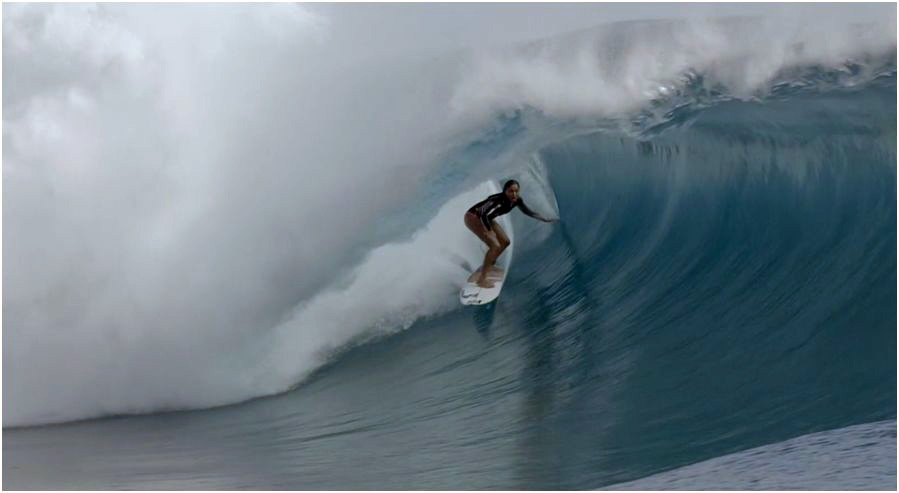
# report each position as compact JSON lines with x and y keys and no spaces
{"x":860,"y":457}
{"x":396,"y":284}
{"x":614,"y":70}
{"x":175,"y":177}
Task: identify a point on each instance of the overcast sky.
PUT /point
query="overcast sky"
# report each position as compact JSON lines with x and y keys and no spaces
{"x":440,"y":25}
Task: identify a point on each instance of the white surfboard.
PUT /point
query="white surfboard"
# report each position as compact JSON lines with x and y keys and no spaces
{"x":471,"y":293}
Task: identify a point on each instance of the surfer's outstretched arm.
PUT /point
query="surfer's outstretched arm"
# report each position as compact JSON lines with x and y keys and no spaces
{"x":531,"y":213}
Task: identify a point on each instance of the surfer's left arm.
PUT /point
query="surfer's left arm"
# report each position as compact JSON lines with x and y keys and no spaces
{"x":533,"y":214}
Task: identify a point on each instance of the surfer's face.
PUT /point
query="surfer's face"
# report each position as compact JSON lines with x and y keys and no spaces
{"x":512,"y":192}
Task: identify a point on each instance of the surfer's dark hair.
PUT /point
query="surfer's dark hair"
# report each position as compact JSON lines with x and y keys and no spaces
{"x":509,"y":184}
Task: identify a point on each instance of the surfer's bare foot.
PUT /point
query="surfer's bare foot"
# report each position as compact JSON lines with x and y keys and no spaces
{"x":484,"y":283}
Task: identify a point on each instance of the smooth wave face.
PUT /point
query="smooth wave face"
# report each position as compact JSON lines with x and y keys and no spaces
{"x":725,"y":280}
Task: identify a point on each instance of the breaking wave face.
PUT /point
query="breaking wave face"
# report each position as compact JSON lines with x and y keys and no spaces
{"x":200,"y":207}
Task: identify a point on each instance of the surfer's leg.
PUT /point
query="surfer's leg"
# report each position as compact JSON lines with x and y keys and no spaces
{"x":493,"y":251}
{"x":493,"y":246}
{"x":501,"y":236}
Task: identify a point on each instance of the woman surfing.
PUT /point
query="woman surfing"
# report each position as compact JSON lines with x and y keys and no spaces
{"x":480,"y":219}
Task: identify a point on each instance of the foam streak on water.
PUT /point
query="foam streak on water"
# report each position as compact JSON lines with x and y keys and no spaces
{"x":861,"y":457}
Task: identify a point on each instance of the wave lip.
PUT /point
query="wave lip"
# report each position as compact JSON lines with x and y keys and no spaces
{"x":620,"y":69}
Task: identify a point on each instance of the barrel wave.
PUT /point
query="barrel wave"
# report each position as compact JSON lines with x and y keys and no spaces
{"x":722,"y":275}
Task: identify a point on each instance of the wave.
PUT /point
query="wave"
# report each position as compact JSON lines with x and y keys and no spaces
{"x":698,"y":184}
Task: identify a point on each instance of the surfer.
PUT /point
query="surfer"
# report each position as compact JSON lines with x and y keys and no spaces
{"x":480,"y":219}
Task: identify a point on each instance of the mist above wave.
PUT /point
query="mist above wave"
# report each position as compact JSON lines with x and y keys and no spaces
{"x":620,"y":69}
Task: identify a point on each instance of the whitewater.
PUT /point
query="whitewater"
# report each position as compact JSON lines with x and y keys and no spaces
{"x":238,"y":228}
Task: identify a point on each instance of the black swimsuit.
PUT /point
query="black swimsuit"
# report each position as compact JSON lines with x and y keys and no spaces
{"x":496,"y":205}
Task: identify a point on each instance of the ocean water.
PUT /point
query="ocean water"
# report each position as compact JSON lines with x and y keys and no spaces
{"x":193,"y":303}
